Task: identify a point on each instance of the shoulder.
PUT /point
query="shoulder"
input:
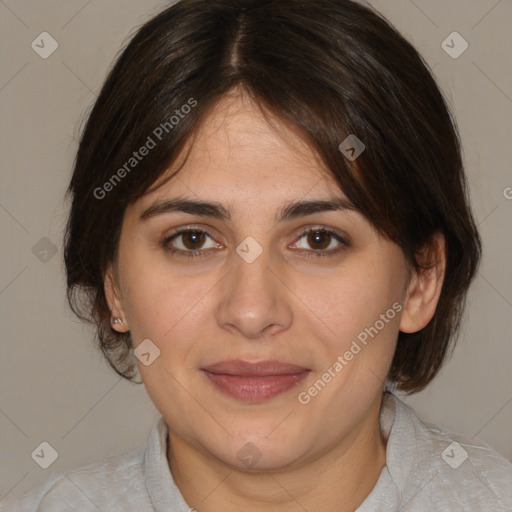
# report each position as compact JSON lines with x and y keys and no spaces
{"x":101,"y":485}
{"x":450,"y":470}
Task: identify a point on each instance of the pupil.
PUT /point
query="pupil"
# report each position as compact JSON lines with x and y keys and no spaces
{"x":197,"y":239}
{"x":316,"y":238}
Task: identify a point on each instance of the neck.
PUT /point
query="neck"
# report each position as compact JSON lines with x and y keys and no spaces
{"x":339,"y":479}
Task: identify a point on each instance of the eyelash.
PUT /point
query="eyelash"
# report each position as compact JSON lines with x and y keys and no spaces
{"x":201,"y":253}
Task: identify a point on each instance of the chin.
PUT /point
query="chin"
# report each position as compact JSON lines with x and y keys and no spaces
{"x":258,"y":448}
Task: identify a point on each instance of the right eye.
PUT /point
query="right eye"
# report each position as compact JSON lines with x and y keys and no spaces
{"x":189,"y":244}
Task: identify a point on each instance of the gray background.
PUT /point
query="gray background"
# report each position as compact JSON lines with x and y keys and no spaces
{"x":54,"y":384}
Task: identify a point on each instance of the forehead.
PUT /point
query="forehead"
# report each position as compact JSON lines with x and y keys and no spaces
{"x":240,"y":155}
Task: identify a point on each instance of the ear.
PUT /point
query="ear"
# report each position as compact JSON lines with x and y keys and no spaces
{"x":114,"y":301}
{"x":425,"y":286}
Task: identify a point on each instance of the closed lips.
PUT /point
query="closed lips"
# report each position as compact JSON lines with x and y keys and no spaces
{"x":254,"y":382}
{"x":260,"y":369}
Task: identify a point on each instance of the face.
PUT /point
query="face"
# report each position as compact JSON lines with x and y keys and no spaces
{"x":276,"y":330}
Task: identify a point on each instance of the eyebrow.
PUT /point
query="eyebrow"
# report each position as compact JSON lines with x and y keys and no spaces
{"x":216,"y":210}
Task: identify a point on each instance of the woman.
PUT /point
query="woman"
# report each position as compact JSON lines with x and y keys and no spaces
{"x":270,"y":222}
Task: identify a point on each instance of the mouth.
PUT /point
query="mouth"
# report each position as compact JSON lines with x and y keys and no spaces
{"x":254,"y":382}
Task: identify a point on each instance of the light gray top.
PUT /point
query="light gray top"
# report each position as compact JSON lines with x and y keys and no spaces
{"x":426,"y":470}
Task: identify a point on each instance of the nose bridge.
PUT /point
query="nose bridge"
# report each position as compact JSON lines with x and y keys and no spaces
{"x":251,"y":266}
{"x":253,"y":298}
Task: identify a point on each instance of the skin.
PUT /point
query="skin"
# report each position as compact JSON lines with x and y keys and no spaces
{"x":327,"y":454}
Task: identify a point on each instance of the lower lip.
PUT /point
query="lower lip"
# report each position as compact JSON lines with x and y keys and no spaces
{"x":253,"y":388}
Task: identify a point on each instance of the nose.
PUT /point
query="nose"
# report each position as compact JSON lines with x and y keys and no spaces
{"x":255,"y":302}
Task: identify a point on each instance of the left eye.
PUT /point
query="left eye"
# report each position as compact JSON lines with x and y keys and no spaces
{"x":322,"y":240}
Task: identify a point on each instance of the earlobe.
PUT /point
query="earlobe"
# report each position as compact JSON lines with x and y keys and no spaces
{"x":425,"y":286}
{"x":115,"y":304}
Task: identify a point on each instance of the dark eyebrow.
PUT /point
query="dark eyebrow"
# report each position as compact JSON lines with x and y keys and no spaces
{"x":218,"y":211}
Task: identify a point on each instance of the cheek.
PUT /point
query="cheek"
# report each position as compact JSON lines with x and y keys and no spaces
{"x":159,"y":303}
{"x":351,"y":300}
{"x":168,"y":311}
{"x":161,"y":310}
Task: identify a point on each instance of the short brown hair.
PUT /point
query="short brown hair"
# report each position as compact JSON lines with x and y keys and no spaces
{"x":330,"y":67}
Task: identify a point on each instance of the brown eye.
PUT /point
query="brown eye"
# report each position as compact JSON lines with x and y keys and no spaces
{"x":190,"y":243}
{"x":319,"y":240}
{"x":193,"y":239}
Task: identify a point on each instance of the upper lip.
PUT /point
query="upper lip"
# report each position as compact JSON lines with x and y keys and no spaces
{"x":259,"y":369}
